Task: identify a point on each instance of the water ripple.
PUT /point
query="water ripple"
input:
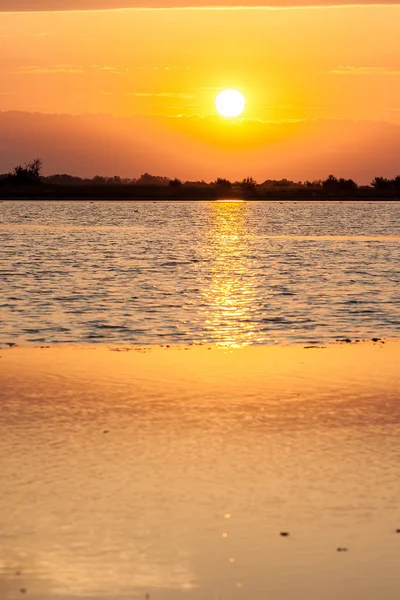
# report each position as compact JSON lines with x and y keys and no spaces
{"x":197,"y":272}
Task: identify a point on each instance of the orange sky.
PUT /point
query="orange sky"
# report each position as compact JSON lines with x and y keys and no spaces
{"x":293,"y":64}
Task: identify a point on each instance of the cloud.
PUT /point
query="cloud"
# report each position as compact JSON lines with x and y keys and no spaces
{"x":40,"y":70}
{"x":159,"y":95}
{"x":64,"y":5}
{"x":66,"y":68}
{"x":350,"y":70}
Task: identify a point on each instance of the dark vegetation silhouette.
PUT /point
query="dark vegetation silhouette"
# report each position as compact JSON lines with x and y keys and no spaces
{"x":332,"y":183}
{"x":27,"y":181}
{"x":381,"y":183}
{"x":27,"y":174}
{"x":223,"y":183}
{"x":248,"y":184}
{"x":175,"y":182}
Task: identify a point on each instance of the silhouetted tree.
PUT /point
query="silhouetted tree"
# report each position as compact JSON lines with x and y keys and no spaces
{"x":330,"y":183}
{"x":34,"y":168}
{"x":347,"y":184}
{"x":342,"y":184}
{"x":223,"y":183}
{"x":396,"y":182}
{"x":116,"y":180}
{"x":27,"y":174}
{"x":175,"y":182}
{"x":201,"y":183}
{"x":281,"y":183}
{"x":248,"y":183}
{"x":63,"y":179}
{"x":99,"y":180}
{"x":147,"y":179}
{"x":380,"y":183}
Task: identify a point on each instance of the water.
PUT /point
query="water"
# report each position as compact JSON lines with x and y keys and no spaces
{"x":137,"y":471}
{"x":172,"y":472}
{"x":194,"y":272}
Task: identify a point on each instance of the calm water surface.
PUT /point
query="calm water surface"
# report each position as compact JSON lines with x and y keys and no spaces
{"x":190,"y":272}
{"x":171,"y":473}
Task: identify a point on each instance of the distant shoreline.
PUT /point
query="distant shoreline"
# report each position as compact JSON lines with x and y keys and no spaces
{"x":192,"y":199}
{"x":130,"y":193}
{"x":197,"y":200}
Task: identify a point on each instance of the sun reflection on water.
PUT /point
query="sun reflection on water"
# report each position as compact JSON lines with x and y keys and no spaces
{"x":231,"y":296}
{"x":230,"y":200}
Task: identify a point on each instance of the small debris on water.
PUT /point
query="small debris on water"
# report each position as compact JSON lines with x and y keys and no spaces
{"x":105,"y":431}
{"x":342,"y":549}
{"x":122,"y":349}
{"x":376,"y":339}
{"x":398,"y":530}
{"x":23,"y":591}
{"x":310,"y":347}
{"x":284,"y":534}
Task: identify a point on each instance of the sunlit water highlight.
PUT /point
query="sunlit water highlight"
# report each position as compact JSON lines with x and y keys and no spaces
{"x":232,"y":273}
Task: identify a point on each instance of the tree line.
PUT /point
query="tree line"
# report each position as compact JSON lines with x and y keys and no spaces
{"x":31,"y":174}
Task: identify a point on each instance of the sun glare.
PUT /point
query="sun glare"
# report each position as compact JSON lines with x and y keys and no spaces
{"x":230,"y":103}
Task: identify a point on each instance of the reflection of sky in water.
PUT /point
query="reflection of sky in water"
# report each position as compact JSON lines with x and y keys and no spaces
{"x":78,"y":572}
{"x":208,"y":455}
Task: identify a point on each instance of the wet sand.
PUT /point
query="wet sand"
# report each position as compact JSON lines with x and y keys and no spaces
{"x":172,"y":472}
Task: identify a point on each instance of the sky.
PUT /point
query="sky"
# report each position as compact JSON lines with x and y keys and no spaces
{"x":62,"y":5}
{"x":322,"y":87}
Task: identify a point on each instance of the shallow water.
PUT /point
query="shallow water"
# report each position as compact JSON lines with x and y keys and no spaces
{"x":188,"y":272}
{"x":172,"y":472}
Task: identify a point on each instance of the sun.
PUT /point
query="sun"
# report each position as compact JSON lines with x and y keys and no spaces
{"x":230,"y":103}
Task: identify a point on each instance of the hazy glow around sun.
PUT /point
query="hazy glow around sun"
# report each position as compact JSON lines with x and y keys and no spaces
{"x":230,"y":103}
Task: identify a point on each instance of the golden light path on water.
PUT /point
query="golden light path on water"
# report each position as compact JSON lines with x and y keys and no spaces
{"x":231,"y":294}
{"x":178,"y":272}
